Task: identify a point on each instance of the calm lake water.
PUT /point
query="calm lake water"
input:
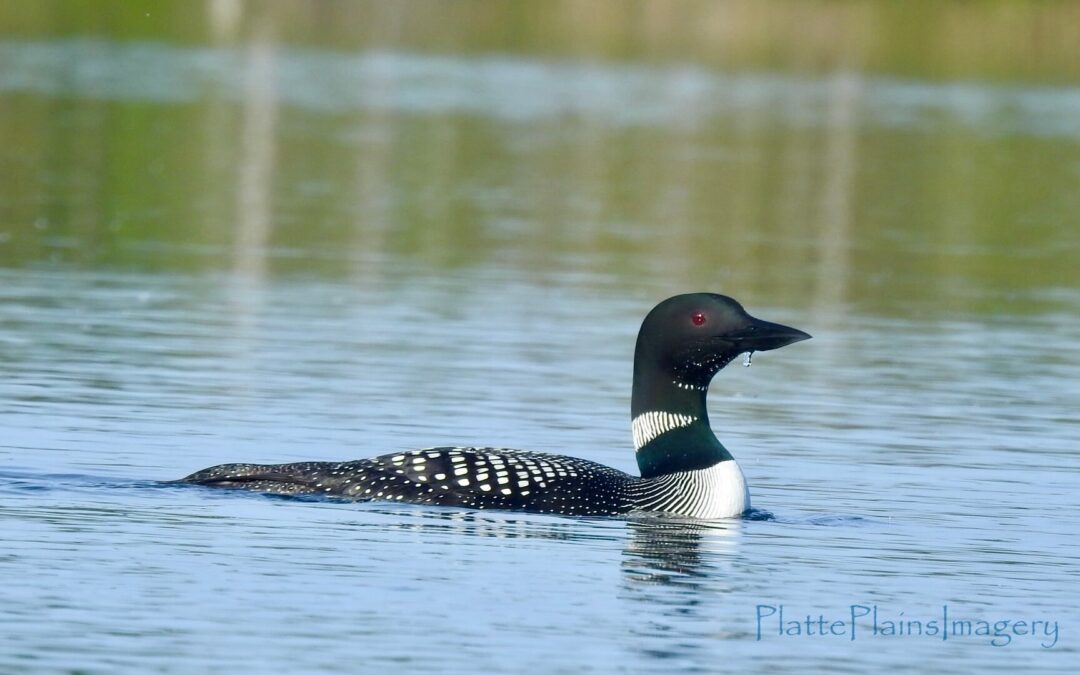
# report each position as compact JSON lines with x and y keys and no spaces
{"x":268,"y":254}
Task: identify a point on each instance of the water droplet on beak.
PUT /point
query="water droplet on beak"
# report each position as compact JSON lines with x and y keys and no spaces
{"x":746,"y":363}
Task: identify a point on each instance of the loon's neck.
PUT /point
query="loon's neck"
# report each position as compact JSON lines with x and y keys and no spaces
{"x":671,"y":425}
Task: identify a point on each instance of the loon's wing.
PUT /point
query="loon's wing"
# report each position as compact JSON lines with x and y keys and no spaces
{"x":474,"y":477}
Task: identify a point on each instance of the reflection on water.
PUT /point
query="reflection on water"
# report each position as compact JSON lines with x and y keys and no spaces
{"x":477,"y":524}
{"x":676,"y":579}
{"x":667,"y":552}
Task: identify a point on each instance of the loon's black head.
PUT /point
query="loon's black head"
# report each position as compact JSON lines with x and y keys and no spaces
{"x":685,"y":340}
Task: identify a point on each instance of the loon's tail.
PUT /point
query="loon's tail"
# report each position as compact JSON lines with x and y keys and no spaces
{"x":302,"y":478}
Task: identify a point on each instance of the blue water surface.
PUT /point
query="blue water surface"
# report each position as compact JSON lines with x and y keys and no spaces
{"x":900,"y":467}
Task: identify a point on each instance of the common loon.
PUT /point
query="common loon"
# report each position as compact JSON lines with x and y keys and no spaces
{"x":685,"y":471}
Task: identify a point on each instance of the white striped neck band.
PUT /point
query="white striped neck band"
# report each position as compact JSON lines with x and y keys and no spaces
{"x":649,"y":425}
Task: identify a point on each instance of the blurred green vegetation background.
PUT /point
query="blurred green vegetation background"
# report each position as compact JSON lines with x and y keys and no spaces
{"x":890,"y":156}
{"x":1026,"y":40}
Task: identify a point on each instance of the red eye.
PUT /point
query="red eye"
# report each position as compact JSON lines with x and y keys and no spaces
{"x":698,"y":318}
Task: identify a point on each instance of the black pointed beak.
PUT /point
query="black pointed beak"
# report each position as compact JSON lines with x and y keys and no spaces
{"x":761,"y":336}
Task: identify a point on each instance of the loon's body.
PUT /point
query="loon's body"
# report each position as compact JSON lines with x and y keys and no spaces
{"x":685,"y":471}
{"x":498,"y":478}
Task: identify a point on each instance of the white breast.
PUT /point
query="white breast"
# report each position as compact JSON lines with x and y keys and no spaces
{"x":719,"y":491}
